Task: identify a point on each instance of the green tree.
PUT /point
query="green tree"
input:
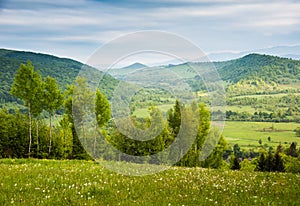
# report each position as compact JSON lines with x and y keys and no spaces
{"x":102,"y":109}
{"x":237,"y":150}
{"x":27,"y":86}
{"x":292,"y":150}
{"x":102,"y":112}
{"x":215,"y":159}
{"x":235,"y":163}
{"x":53,"y":100}
{"x":261,"y":165}
{"x":278,"y":163}
{"x":78,"y":151}
{"x":174,"y":118}
{"x":203,"y":130}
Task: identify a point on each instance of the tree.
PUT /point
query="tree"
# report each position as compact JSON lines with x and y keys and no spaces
{"x":102,"y":109}
{"x":102,"y":112}
{"x":235,"y":165}
{"x":278,"y":163}
{"x":203,"y":129}
{"x":53,"y":100}
{"x":261,"y":163}
{"x":27,"y":86}
{"x":215,"y":159}
{"x":174,"y":118}
{"x":78,"y":151}
{"x":292,"y":150}
{"x":237,"y":150}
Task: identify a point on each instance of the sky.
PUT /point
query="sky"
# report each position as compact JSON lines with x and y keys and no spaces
{"x":77,"y":28}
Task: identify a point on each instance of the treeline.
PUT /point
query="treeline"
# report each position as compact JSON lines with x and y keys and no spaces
{"x":29,"y":135}
{"x":279,"y":160}
{"x":76,"y":135}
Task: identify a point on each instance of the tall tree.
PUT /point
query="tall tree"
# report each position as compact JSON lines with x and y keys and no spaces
{"x":53,"y":100}
{"x":102,"y":109}
{"x":26,"y":86}
{"x":78,"y":151}
{"x":292,"y":151}
{"x":102,"y":112}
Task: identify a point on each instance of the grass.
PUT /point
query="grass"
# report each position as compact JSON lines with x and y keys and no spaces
{"x":51,"y":182}
{"x":247,"y":134}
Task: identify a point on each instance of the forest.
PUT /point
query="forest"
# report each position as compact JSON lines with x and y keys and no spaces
{"x":31,"y":133}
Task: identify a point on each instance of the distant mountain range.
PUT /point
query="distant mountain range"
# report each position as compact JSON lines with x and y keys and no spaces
{"x":264,"y":69}
{"x":281,"y":51}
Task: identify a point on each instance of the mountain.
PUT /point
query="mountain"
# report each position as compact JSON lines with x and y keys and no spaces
{"x":136,"y":65}
{"x":62,"y":69}
{"x":261,"y":73}
{"x":120,"y":73}
{"x":281,"y":51}
{"x":269,"y":68}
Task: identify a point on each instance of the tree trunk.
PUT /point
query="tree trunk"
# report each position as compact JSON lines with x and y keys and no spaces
{"x":50,"y":131}
{"x":29,"y":128}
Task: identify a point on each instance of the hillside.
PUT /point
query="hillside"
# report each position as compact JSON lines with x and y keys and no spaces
{"x":253,"y":74}
{"x":262,"y":71}
{"x":62,"y":69}
{"x":268,"y":68}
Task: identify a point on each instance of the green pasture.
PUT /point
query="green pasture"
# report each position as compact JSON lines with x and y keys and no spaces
{"x":50,"y":182}
{"x":248,"y":134}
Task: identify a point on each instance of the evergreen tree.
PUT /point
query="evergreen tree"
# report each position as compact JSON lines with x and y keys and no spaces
{"x":278,"y":163}
{"x":235,"y":165}
{"x":292,"y":150}
{"x":237,"y":150}
{"x":261,"y":163}
{"x":269,"y":162}
{"x":27,"y":86}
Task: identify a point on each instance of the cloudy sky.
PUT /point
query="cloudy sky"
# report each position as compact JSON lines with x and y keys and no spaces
{"x":76,"y":28}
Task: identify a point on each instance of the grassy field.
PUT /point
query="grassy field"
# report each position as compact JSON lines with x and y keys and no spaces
{"x":50,"y":182}
{"x":247,"y":134}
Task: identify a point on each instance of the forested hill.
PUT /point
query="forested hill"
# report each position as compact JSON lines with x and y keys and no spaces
{"x":62,"y":69}
{"x":265,"y":67}
{"x":247,"y":75}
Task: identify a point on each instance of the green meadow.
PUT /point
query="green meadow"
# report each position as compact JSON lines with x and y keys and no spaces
{"x":52,"y":182}
{"x":248,"y":134}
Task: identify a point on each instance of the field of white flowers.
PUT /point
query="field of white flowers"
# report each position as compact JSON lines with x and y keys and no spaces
{"x":50,"y":182}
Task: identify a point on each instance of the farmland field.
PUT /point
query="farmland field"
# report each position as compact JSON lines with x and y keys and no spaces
{"x":51,"y":182}
{"x":247,"y":134}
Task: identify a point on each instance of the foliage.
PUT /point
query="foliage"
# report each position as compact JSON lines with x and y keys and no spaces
{"x":102,"y":109}
{"x":62,"y":69}
{"x":27,"y":86}
{"x":52,"y":101}
{"x":78,"y":152}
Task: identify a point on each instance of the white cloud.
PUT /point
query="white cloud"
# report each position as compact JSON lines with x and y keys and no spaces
{"x":87,"y":22}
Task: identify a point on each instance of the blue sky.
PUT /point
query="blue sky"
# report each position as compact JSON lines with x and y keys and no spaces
{"x":76,"y":28}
